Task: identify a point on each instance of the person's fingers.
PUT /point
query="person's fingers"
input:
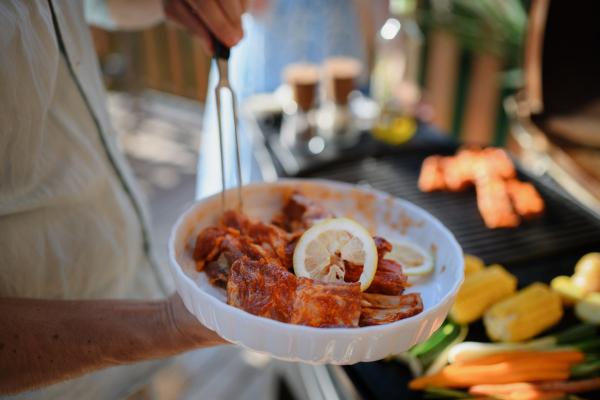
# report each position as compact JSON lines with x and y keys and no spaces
{"x":214,"y":18}
{"x":233,"y":10}
{"x":179,"y":12}
{"x":244,"y":5}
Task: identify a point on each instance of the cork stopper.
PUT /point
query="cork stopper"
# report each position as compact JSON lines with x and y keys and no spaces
{"x":340,"y":74}
{"x":303,"y":78}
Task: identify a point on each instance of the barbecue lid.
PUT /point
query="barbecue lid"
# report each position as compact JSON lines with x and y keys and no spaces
{"x":562,"y":56}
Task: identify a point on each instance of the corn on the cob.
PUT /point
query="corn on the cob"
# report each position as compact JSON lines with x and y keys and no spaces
{"x":473,"y":264}
{"x":524,"y":314}
{"x":480,"y":290}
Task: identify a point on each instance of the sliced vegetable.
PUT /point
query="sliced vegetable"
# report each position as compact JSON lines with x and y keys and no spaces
{"x":442,"y":359}
{"x":569,"y":356}
{"x":423,"y":356}
{"x":522,"y":370}
{"x":500,"y":390}
{"x":581,"y":386}
{"x":587,"y":273}
{"x":434,"y":392}
{"x":534,"y":395}
{"x":563,"y":387}
{"x":480,"y":290}
{"x":586,"y":370}
{"x":588,"y":309}
{"x":524,"y":314}
{"x":468,"y":351}
{"x":588,"y":346}
{"x":567,"y":290}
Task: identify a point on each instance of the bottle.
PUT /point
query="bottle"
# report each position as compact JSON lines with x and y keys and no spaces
{"x":394,"y":80}
{"x":298,"y":126}
{"x":334,"y":120}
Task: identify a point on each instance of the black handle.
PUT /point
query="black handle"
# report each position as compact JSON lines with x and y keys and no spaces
{"x":219,"y":49}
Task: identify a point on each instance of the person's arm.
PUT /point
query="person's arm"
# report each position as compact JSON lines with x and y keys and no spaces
{"x":48,"y":341}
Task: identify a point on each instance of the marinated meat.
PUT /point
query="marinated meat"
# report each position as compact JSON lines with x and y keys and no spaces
{"x":326,"y":304}
{"x":494,"y":204}
{"x":388,"y":283}
{"x":288,"y":262}
{"x":389,"y":266}
{"x":232,"y":249}
{"x":499,"y":193}
{"x":432,"y":175}
{"x":373,"y":300}
{"x":458,"y":172}
{"x":495,"y":162}
{"x":218,"y":271}
{"x":250,"y":259}
{"x":241,"y":246}
{"x":383,"y":246}
{"x":262,"y":288}
{"x":384,"y":282}
{"x":263,"y":233}
{"x":378,"y":309}
{"x":208,"y":244}
{"x":269,"y":290}
{"x":525,"y":198}
{"x":301,"y":213}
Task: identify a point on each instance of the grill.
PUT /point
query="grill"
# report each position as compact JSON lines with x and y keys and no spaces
{"x":534,"y":251}
{"x":565,"y":224}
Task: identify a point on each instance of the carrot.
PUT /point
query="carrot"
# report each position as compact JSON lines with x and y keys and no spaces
{"x":444,"y":380}
{"x":580,"y":386}
{"x":570,"y":356}
{"x":585,"y":385}
{"x":508,"y":367}
{"x":458,"y":376}
{"x":500,"y":390}
{"x":530,"y":394}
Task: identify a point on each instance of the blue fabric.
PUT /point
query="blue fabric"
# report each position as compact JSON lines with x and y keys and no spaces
{"x":288,"y":31}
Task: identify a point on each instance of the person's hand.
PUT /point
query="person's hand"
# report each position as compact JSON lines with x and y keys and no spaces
{"x":189,"y":330}
{"x":222,"y":18}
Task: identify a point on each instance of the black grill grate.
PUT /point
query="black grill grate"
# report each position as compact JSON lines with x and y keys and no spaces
{"x":565,"y":224}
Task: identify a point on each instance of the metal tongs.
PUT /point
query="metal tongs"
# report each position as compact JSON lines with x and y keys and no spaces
{"x":221,"y":54}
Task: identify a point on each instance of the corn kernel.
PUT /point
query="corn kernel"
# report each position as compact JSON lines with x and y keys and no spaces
{"x":480,"y":290}
{"x":473,"y":264}
{"x":523,"y":315}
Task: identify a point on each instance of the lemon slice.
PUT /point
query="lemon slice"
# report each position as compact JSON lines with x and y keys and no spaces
{"x":322,"y":250}
{"x":415,"y":259}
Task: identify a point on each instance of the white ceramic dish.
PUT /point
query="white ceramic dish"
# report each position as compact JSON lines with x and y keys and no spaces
{"x":382,"y":215}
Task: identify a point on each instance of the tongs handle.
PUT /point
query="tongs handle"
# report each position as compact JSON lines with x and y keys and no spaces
{"x":219,"y":49}
{"x":221,"y":54}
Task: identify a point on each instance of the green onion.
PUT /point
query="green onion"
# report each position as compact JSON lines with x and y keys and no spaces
{"x":434,"y":392}
{"x":576,"y":333}
{"x":469,"y":351}
{"x":586,"y":370}
{"x":588,"y":346}
{"x":422,"y":356}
